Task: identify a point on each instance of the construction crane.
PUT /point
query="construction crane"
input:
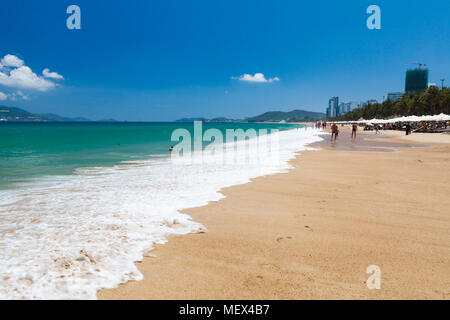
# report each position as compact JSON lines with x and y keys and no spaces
{"x":419,"y":64}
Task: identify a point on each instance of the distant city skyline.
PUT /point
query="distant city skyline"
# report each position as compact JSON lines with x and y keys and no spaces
{"x":416,"y":80}
{"x":161,"y":61}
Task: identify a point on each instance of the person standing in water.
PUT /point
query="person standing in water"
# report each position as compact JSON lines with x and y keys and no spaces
{"x":334,"y":132}
{"x":354,"y":129}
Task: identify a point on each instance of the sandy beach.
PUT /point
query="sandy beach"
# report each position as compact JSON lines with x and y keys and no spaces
{"x":311,"y":233}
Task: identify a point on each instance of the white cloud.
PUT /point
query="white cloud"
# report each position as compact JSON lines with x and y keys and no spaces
{"x":21,"y":95}
{"x":14,"y":73}
{"x":24,"y":78}
{"x":257,"y":77}
{"x":14,"y":96}
{"x":46,"y":72}
{"x":11,"y":61}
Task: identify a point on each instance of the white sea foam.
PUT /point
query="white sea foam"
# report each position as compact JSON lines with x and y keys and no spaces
{"x":82,"y":233}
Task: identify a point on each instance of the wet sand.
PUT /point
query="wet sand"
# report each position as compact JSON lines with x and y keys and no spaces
{"x":311,"y":233}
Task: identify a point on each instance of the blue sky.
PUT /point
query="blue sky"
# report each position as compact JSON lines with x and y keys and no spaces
{"x":163,"y":60}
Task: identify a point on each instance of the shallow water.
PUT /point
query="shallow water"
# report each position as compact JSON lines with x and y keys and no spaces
{"x":365,"y":141}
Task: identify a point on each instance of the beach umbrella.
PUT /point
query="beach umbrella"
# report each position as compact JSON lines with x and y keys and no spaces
{"x":439,"y":117}
{"x":415,"y":119}
{"x":442,"y":117}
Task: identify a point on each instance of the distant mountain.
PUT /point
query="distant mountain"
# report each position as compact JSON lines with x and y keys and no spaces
{"x":295,"y":115}
{"x":17,"y":114}
{"x":222,"y":119}
{"x":218,"y":119}
{"x":57,"y":118}
{"x":12,"y":114}
{"x":108,"y":120}
{"x":190,"y":119}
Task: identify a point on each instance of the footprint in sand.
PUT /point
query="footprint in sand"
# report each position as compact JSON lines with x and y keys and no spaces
{"x":281,"y":238}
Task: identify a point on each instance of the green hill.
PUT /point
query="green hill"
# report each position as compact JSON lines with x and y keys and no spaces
{"x":295,"y":115}
{"x":57,"y":118}
{"x":190,"y":119}
{"x":12,"y":114}
{"x":17,"y":114}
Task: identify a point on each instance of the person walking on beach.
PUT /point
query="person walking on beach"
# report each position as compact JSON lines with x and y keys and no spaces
{"x":354,"y":129}
{"x":334,"y":132}
{"x":408,"y":129}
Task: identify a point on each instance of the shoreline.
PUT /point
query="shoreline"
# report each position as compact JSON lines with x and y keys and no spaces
{"x":296,"y":235}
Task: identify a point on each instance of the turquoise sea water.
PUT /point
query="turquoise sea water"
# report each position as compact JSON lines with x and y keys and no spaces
{"x":29,"y":151}
{"x":81,"y":202}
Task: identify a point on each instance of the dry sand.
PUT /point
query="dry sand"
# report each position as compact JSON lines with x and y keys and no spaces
{"x":422,"y":137}
{"x":311,"y":233}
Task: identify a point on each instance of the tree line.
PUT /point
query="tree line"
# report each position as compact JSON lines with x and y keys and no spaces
{"x":430,"y":102}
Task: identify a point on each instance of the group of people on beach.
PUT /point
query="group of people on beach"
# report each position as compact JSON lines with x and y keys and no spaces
{"x":408,"y":127}
{"x":322,"y":125}
{"x":335,"y":129}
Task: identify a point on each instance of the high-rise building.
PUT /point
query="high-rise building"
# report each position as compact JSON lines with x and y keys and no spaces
{"x":333,"y":107}
{"x":341,"y":109}
{"x":366,"y":103}
{"x":348,"y":107}
{"x":416,"y":80}
{"x":344,"y":107}
{"x":353,"y":105}
{"x":394,"y":96}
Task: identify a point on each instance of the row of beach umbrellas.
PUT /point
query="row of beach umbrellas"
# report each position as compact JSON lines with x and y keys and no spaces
{"x":438,"y":117}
